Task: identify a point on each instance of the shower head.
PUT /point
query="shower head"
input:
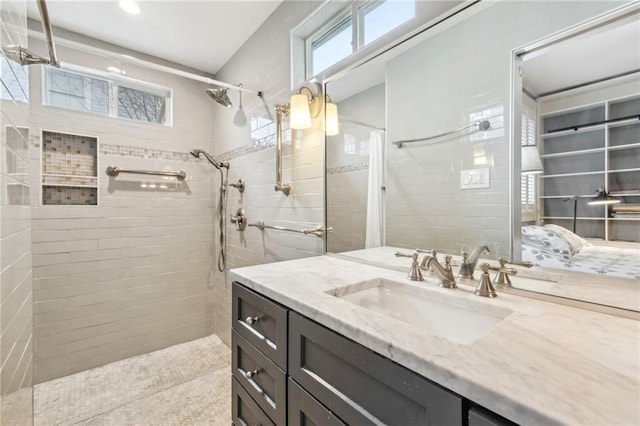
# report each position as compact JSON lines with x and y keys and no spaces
{"x":220,"y":96}
{"x":217,"y":164}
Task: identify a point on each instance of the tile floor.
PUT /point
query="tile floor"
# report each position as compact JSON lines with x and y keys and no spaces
{"x":185,"y":384}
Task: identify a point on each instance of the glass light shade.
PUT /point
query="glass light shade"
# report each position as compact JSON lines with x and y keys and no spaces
{"x":299,"y":115}
{"x":331,"y":117}
{"x":603,"y":198}
{"x":531,"y":163}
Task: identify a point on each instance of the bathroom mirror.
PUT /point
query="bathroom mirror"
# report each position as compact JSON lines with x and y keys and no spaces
{"x":456,"y":189}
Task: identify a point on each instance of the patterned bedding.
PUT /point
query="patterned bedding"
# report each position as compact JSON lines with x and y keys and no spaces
{"x":546,"y":247}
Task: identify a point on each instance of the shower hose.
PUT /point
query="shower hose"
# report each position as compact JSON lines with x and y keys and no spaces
{"x":222,"y":208}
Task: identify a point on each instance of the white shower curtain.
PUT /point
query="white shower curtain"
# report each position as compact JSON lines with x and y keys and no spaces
{"x":375,"y":201}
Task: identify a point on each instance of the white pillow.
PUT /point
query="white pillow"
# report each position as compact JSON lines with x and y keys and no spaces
{"x":546,"y":241}
{"x":575,"y":241}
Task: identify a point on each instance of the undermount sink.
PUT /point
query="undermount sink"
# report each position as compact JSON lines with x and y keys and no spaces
{"x":457,"y":318}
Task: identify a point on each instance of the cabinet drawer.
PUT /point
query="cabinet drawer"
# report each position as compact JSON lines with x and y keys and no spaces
{"x":261,"y":378}
{"x":245,"y":411}
{"x":305,"y":410}
{"x":360,"y":386}
{"x":262,"y":322}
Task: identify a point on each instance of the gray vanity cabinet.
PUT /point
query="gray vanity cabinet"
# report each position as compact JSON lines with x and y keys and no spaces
{"x":360,"y":386}
{"x":290,"y":370}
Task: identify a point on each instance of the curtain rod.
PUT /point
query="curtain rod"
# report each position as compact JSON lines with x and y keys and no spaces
{"x":141,"y":62}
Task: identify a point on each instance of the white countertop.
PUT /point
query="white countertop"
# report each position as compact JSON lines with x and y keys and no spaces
{"x":544,"y":364}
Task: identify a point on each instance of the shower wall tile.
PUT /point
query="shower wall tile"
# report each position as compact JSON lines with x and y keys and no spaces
{"x":264,"y":61}
{"x":129,"y":275}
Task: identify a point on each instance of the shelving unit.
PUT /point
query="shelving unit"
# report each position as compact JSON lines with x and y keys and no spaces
{"x":69,"y":169}
{"x":595,"y":153}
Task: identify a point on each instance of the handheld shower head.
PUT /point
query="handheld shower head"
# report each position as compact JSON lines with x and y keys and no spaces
{"x":217,"y":164}
{"x":220,"y":96}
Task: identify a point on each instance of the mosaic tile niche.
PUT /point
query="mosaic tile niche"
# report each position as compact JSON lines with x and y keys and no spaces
{"x":69,"y":169}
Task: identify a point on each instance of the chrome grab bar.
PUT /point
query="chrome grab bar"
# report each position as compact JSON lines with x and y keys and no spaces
{"x":24,"y":56}
{"x":115,"y":171}
{"x":318,"y":231}
{"x":481,"y":125}
{"x":281,"y":110}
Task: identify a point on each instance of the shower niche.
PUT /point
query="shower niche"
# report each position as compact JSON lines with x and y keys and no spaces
{"x":69,"y":169}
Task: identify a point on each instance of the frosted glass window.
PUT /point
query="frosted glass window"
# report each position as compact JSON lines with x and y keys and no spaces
{"x":96,"y":93}
{"x":14,"y":80}
{"x":140,"y":105}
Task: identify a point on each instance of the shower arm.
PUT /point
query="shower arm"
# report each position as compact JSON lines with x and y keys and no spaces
{"x":281,"y":110}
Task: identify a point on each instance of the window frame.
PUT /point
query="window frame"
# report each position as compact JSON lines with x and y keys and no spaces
{"x":354,"y":12}
{"x":113,"y":84}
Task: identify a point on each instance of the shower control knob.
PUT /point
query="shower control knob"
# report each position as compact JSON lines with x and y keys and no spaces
{"x":251,"y":374}
{"x":252,"y":320}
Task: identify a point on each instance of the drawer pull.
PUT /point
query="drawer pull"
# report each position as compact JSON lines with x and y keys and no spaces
{"x":252,"y":320}
{"x":251,"y":374}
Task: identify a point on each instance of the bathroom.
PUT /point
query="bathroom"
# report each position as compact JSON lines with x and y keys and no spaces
{"x":140,"y":269}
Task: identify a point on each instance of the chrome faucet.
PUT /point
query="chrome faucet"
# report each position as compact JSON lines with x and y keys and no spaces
{"x":445,"y":273}
{"x":469,"y":262}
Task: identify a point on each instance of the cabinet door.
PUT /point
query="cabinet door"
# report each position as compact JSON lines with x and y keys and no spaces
{"x":480,"y":417}
{"x":262,"y":322}
{"x":263,"y":380}
{"x":362,"y":387}
{"x":305,"y":410}
{"x":244,"y":409}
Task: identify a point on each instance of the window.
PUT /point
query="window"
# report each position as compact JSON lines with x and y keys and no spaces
{"x":350,"y":29}
{"x":89,"y":91}
{"x":14,"y":79}
{"x":528,"y":182}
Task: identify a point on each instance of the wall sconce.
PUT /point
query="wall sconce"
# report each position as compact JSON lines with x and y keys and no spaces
{"x":331,"y":127}
{"x":531,"y":163}
{"x":603,"y":198}
{"x":304,"y":106}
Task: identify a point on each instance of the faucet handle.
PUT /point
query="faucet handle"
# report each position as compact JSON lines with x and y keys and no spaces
{"x":504,"y":261}
{"x":502,"y":276}
{"x":414,"y":271}
{"x":485,"y":288}
{"x":398,"y":254}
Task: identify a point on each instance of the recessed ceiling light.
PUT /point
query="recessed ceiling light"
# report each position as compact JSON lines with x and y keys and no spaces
{"x":129,"y":6}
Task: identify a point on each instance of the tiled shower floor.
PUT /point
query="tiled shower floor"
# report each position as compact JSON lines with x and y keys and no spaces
{"x":185,"y":384}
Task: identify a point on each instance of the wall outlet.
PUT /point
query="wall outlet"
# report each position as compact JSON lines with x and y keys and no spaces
{"x":474,"y":178}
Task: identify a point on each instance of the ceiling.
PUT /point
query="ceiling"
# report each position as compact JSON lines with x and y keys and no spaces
{"x":201,"y":34}
{"x":596,"y":55}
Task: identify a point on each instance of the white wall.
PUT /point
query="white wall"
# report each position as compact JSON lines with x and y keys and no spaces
{"x":16,"y":335}
{"x":459,"y":76}
{"x":130,"y":275}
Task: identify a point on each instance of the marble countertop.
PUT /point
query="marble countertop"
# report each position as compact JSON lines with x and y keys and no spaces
{"x":544,"y":364}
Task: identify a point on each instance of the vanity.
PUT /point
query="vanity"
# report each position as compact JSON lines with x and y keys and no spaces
{"x":326,"y":340}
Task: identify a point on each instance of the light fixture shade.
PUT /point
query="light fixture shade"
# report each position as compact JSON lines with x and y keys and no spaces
{"x":603,"y":198}
{"x":531,"y":163}
{"x":299,"y":115}
{"x":331,"y":117}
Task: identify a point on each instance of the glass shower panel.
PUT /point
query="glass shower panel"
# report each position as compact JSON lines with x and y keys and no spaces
{"x":16,"y":304}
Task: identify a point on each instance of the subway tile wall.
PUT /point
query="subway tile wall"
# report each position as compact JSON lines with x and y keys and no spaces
{"x":16,"y":293}
{"x":132,"y":274}
{"x":263,"y":64}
